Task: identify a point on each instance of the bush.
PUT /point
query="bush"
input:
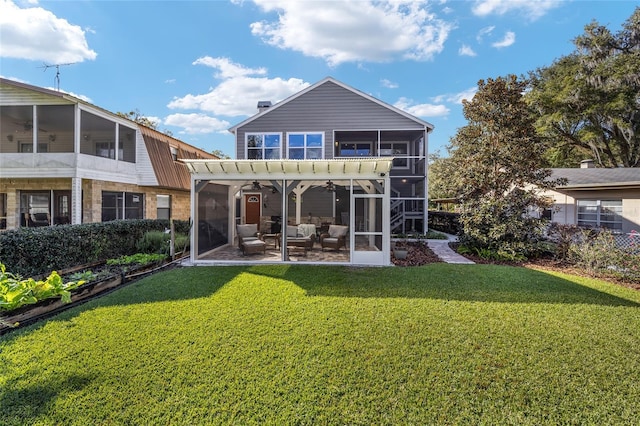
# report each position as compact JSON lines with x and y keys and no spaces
{"x":598,"y":253}
{"x":160,"y":242}
{"x":36,"y":251}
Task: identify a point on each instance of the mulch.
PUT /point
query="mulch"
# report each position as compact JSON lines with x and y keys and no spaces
{"x":420,"y":254}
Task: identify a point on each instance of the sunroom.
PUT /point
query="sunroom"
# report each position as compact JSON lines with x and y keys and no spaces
{"x":274,"y":211}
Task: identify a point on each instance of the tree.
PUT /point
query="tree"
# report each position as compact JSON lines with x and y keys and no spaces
{"x":439,"y":172}
{"x":139,"y":118}
{"x":588,"y":102}
{"x":220,"y":154}
{"x":496,"y":166}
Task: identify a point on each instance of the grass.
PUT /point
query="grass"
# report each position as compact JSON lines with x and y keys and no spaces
{"x":291,"y":344}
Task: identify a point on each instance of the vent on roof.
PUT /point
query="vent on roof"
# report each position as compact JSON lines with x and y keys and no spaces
{"x":263,"y":105}
{"x":587,"y":164}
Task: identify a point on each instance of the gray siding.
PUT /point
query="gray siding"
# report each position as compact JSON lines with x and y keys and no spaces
{"x":326,"y":108}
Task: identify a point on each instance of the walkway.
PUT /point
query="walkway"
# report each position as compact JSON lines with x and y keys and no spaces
{"x":443,"y":251}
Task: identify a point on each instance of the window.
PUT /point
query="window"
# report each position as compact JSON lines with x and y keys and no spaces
{"x":163,"y":206}
{"x":396,"y":149}
{"x":305,"y":146}
{"x":263,"y":146}
{"x":3,"y":210}
{"x":44,"y":208}
{"x":174,"y":153}
{"x":122,"y":205}
{"x":360,"y":149}
{"x":600,"y":214}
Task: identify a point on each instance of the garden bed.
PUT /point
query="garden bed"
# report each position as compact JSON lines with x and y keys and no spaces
{"x":111,"y":278}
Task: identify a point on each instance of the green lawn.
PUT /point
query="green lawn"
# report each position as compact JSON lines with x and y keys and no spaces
{"x":443,"y":344}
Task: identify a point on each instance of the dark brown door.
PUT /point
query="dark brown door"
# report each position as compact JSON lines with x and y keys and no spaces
{"x":252,"y":203}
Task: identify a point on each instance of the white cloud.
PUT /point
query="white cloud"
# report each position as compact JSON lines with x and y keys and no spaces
{"x":388,"y":84}
{"x":37,"y":34}
{"x":196,"y":123}
{"x":228,"y":69}
{"x":457,"y":98}
{"x":484,"y":32}
{"x":421,"y":110}
{"x":466,"y":51}
{"x":238,"y":93}
{"x":508,"y":40}
{"x":531,"y":9}
{"x":375,"y":31}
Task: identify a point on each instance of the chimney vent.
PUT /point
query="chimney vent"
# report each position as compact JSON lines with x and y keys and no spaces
{"x":587,"y":164}
{"x":263,"y":105}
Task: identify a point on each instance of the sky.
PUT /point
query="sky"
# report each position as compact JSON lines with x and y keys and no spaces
{"x":196,"y":68}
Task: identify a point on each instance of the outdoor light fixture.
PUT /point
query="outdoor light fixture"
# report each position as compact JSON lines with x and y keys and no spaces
{"x":256,"y":185}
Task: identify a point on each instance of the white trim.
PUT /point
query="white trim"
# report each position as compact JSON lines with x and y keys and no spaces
{"x":305,"y":147}
{"x":263,"y":134}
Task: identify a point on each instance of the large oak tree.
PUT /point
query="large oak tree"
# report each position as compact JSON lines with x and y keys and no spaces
{"x":588,"y":103}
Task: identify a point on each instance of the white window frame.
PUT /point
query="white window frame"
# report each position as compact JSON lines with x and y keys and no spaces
{"x":263,"y":148}
{"x":599,"y":222}
{"x":305,"y":146}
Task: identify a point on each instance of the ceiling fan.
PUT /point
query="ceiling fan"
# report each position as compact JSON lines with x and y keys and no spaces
{"x":330,"y":186}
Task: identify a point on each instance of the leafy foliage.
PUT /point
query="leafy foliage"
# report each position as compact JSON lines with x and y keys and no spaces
{"x":587,"y":102}
{"x":137,"y":259}
{"x":160,"y":242}
{"x":36,"y":251}
{"x":599,"y":254}
{"x":497,"y":170}
{"x":16,"y":292}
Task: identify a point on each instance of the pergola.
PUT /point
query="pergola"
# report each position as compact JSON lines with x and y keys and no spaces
{"x":216,"y":185}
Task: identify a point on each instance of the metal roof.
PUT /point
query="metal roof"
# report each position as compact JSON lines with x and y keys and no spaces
{"x":345,"y":168}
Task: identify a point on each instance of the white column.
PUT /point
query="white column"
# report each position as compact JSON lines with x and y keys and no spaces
{"x":76,"y":201}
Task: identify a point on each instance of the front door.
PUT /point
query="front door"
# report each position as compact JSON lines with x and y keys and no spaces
{"x":252,"y":205}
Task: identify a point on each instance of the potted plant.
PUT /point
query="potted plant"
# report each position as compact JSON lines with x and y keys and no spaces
{"x":400,"y":250}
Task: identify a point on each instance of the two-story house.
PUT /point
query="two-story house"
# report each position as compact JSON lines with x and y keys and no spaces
{"x":66,"y":161}
{"x":329,"y":156}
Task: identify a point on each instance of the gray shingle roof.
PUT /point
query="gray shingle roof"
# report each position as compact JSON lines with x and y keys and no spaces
{"x":598,"y":178}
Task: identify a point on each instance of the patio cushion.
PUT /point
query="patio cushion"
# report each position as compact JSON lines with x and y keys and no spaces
{"x":292,"y":231}
{"x":337,"y":231}
{"x":248,"y":230}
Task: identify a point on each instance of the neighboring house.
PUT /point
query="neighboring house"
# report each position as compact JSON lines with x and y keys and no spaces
{"x":328,"y":155}
{"x":598,"y":198}
{"x":63,"y":160}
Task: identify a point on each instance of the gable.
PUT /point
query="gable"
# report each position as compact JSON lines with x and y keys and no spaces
{"x":330,"y":105}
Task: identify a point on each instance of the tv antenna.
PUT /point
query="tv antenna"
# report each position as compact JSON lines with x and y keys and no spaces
{"x":57,"y":67}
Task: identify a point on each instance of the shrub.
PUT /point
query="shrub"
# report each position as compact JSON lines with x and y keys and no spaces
{"x":598,"y":253}
{"x":35,"y":251}
{"x":160,"y":242}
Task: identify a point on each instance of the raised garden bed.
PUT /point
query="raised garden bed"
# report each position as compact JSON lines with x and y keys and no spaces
{"x":112,"y":278}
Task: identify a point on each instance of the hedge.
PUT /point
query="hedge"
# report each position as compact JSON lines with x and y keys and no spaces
{"x":36,"y":251}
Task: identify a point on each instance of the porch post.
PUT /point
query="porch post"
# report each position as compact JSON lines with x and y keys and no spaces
{"x":76,"y":201}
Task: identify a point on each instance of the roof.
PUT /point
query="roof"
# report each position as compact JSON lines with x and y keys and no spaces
{"x":598,"y":178}
{"x":345,"y":168}
{"x":344,"y":86}
{"x":170,"y":173}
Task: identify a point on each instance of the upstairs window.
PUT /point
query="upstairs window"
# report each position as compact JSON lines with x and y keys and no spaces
{"x":396,"y":149}
{"x":305,"y":146}
{"x":263,"y":146}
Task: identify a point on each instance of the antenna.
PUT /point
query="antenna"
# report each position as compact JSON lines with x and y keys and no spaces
{"x":57,"y":67}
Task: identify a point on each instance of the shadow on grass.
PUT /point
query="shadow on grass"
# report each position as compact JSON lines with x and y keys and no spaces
{"x":478,"y":283}
{"x":21,"y":405}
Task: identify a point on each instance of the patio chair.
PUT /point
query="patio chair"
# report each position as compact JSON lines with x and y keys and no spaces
{"x":296,"y":236}
{"x":335,"y":238}
{"x":248,"y":232}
